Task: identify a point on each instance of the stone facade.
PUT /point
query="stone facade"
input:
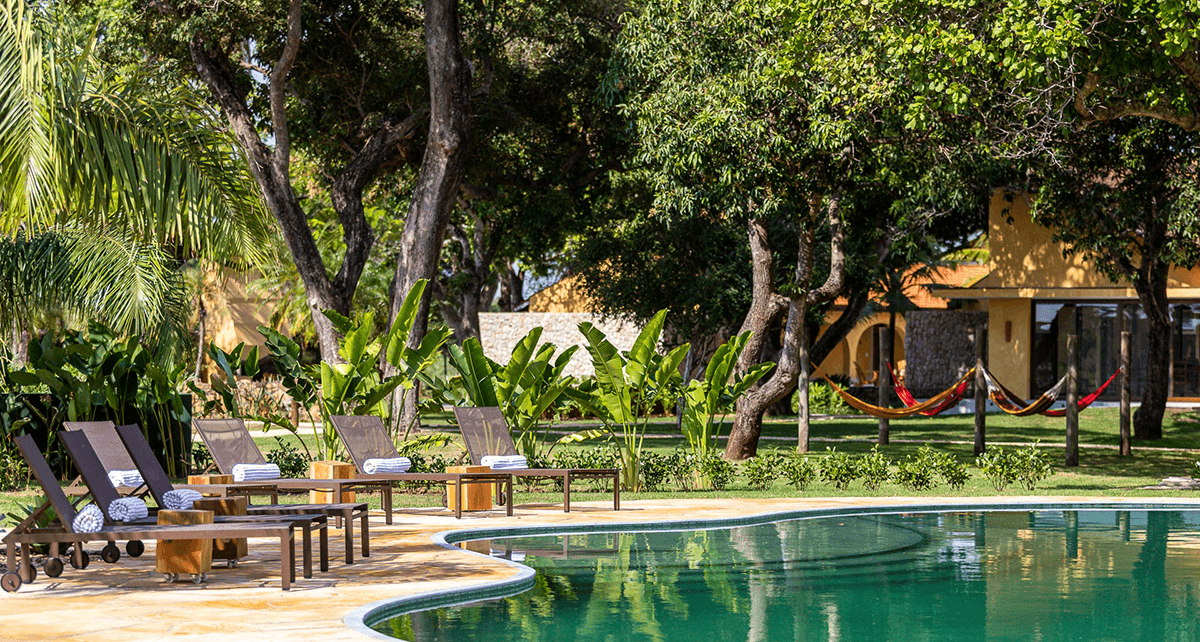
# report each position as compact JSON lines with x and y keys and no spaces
{"x":939,"y":348}
{"x":500,"y":331}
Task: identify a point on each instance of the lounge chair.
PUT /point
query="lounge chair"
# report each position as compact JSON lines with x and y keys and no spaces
{"x":104,"y":493}
{"x":365,"y":438}
{"x":160,"y":484}
{"x":108,"y":448}
{"x":61,"y":532}
{"x":230,"y":444}
{"x":485,"y":433}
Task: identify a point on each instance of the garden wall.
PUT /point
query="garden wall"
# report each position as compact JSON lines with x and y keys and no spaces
{"x":938,"y":348}
{"x":500,"y":331}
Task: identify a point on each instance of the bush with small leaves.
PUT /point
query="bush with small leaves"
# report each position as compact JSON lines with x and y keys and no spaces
{"x":291,"y":462}
{"x":1031,"y":466}
{"x":997,"y":467}
{"x":1196,"y":469}
{"x":873,"y":468}
{"x":951,"y":470}
{"x":716,"y":471}
{"x":683,"y":470}
{"x":760,"y":471}
{"x":915,"y":472}
{"x":656,"y":467}
{"x":798,"y":471}
{"x":839,"y":469}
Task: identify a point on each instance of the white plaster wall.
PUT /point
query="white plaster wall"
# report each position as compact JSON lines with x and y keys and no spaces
{"x":500,"y":331}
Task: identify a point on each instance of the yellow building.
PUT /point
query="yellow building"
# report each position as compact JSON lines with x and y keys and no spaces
{"x":1035,"y":296}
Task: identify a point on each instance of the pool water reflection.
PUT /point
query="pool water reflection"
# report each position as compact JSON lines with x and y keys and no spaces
{"x":1050,"y":575}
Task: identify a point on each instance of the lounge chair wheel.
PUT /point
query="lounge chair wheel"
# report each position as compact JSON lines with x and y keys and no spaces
{"x":170,"y":577}
{"x":135,"y":548}
{"x":230,"y":563}
{"x":197,"y":579}
{"x":10,"y":582}
{"x":86,"y":560}
{"x":110,"y":553}
{"x":53,"y":567}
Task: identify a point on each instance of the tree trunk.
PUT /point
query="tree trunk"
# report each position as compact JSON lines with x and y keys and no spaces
{"x":837,"y":331}
{"x":512,"y":289}
{"x":441,"y":168}
{"x":1152,"y":293}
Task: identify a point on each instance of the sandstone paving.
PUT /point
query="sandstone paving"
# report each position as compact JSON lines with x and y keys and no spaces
{"x":127,"y":602}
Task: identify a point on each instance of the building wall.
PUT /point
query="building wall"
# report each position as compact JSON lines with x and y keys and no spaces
{"x":1010,"y":343}
{"x":941,"y":348}
{"x":500,"y":331}
{"x":563,"y":296}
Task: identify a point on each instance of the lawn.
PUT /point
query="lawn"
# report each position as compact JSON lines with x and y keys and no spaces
{"x":1101,"y":471}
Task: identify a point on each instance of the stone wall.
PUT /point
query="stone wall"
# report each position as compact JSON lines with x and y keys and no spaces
{"x":938,"y":348}
{"x":500,"y":331}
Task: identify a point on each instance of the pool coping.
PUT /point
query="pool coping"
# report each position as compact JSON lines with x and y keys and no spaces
{"x":358,"y":619}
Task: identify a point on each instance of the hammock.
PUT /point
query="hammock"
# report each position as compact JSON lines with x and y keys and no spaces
{"x":897,"y":413}
{"x":1082,"y":404}
{"x":958,"y":392}
{"x":1014,"y":405}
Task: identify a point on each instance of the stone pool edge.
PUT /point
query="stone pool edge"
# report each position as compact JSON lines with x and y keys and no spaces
{"x":358,"y":619}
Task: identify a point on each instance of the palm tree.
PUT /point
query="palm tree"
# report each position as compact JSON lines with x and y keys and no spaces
{"x":108,"y":184}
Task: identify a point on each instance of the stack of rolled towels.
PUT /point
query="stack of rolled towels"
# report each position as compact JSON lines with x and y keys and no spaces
{"x":255,"y":472}
{"x":390,"y":465}
{"x":88,"y":520}
{"x":180,"y":499}
{"x":127,"y":509}
{"x":131,"y":478}
{"x":504,"y":462}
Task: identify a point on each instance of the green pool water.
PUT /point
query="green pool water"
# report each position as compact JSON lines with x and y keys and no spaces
{"x":1045,"y":576}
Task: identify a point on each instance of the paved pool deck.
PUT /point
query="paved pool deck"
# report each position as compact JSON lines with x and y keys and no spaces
{"x":127,"y":602}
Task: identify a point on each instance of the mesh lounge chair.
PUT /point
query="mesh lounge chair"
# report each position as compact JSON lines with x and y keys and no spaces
{"x":61,"y":532}
{"x":231,"y":444}
{"x":96,"y":479}
{"x":365,"y":438}
{"x":160,"y":484}
{"x":103,"y":436}
{"x":485,"y":433}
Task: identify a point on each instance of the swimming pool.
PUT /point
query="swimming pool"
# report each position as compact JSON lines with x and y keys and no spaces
{"x":998,"y":575}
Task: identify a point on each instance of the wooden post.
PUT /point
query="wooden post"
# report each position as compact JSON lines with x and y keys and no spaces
{"x":1126,"y":384}
{"x":883,"y":382}
{"x":1072,"y":400}
{"x":980,"y":392}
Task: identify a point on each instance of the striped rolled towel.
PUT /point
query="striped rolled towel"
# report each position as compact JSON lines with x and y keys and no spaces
{"x":127,"y":509}
{"x":386,"y":466}
{"x":504,"y":462}
{"x":88,"y":520}
{"x":181,"y":499}
{"x":255,"y":472}
{"x":131,"y":478}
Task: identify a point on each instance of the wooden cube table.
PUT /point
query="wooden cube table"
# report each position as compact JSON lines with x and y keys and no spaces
{"x":475,"y":496}
{"x":192,"y":557}
{"x":210,"y":479}
{"x":329,"y":470}
{"x":230,"y":550}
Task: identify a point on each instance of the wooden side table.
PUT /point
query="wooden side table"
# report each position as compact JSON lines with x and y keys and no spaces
{"x":192,"y":557}
{"x":330,"y":470}
{"x":210,"y":479}
{"x":475,"y":496}
{"x":230,"y":550}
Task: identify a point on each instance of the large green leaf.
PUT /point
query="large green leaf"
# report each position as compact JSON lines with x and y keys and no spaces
{"x":645,"y":348}
{"x":397,"y":338}
{"x":609,"y":365}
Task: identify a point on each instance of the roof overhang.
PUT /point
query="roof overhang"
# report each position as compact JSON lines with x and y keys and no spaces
{"x":1057,"y":293}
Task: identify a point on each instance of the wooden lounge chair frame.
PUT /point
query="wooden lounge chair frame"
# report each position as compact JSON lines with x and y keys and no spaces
{"x":239,"y":448}
{"x":104,"y":494}
{"x":160,"y":484}
{"x":61,"y":532}
{"x":486,"y":433}
{"x":365,"y":438}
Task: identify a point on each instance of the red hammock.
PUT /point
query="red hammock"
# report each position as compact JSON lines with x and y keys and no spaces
{"x":909,"y":400}
{"x":1086,"y":401}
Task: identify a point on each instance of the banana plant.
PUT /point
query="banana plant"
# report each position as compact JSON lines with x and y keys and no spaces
{"x":526,"y":387}
{"x":628,"y":386}
{"x":705,"y":399}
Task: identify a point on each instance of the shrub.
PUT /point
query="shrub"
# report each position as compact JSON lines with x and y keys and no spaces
{"x":998,"y":467}
{"x":915,"y":472}
{"x":683,"y":470}
{"x":200,"y":457}
{"x":13,"y":473}
{"x":839,"y":469}
{"x":1196,"y":469}
{"x":656,"y":468}
{"x":760,"y":471}
{"x":716,"y":471}
{"x":799,"y":471}
{"x":1031,"y":466}
{"x":951,"y":470}
{"x":823,"y":400}
{"x":291,"y":462}
{"x":873,"y":468}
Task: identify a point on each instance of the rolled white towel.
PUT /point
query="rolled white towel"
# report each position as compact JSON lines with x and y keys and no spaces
{"x":132,"y":478}
{"x":127,"y":509}
{"x":181,"y":499}
{"x":88,"y":520}
{"x":504,"y":462}
{"x":255,"y":472}
{"x":386,"y":466}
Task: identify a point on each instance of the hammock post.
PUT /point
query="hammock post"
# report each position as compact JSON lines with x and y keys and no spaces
{"x":882,"y":382}
{"x":1126,"y":384}
{"x":1072,"y":400}
{"x":980,"y":393}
